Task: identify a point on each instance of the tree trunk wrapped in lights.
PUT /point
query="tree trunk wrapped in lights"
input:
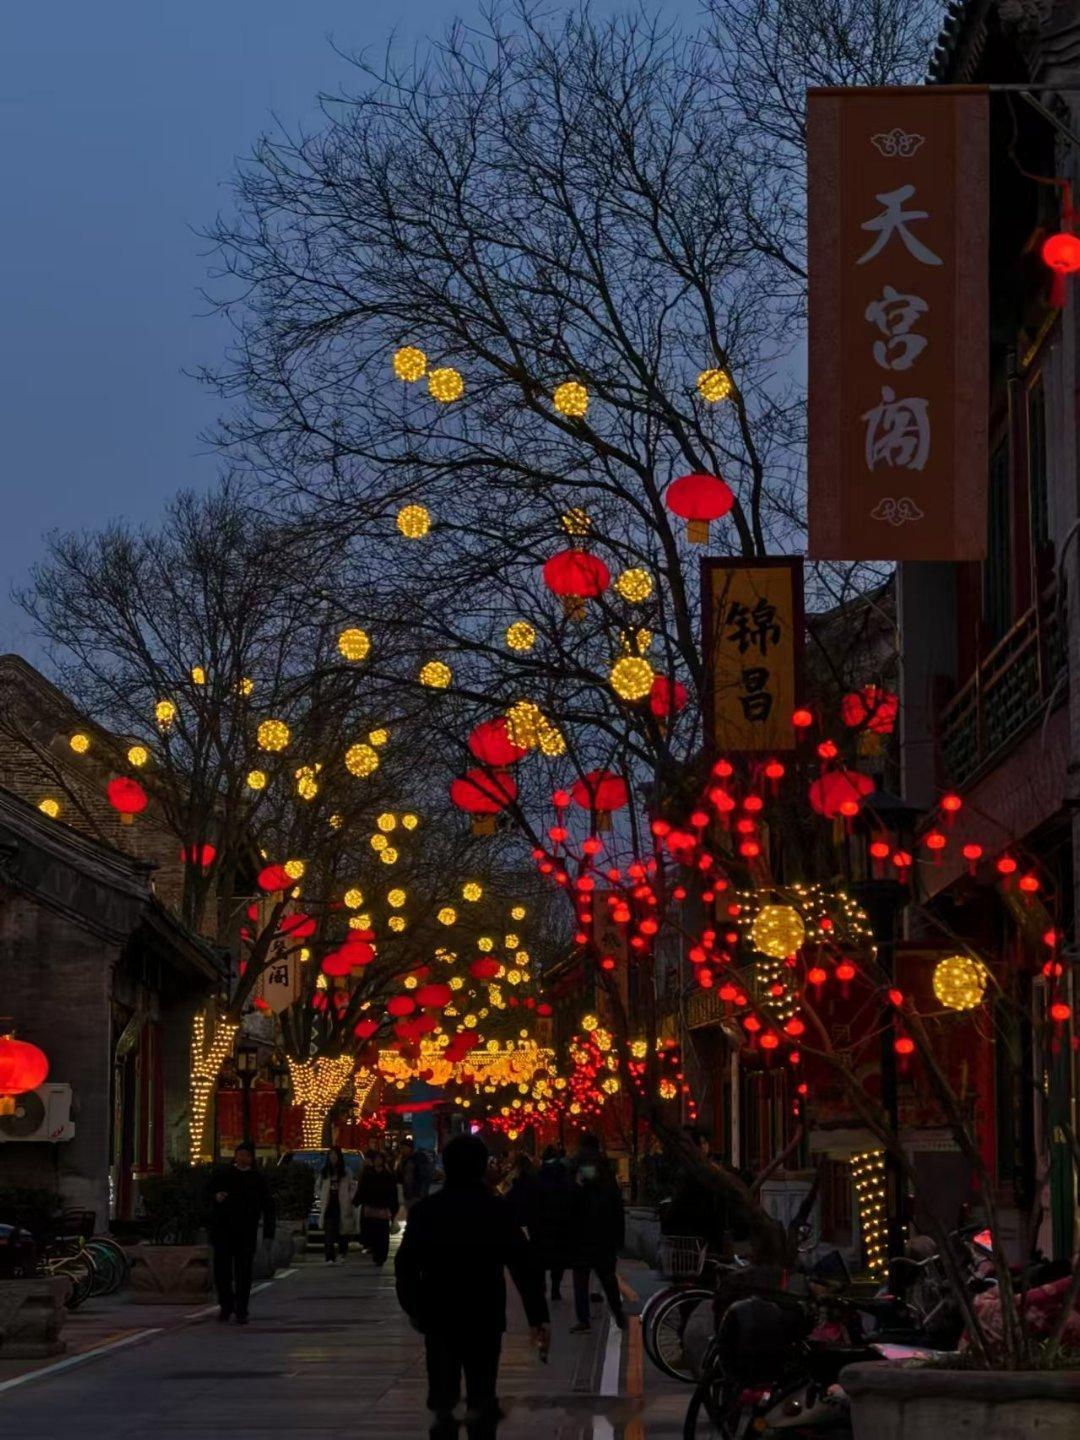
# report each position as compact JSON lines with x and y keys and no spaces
{"x":317,"y":1083}
{"x":207,"y":1057}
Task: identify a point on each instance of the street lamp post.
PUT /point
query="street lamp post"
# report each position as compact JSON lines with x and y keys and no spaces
{"x":247,"y":1066}
{"x":888,"y":821}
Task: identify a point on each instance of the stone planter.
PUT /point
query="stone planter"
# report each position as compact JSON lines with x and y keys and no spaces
{"x":170,"y":1274}
{"x":32,"y":1313}
{"x":643,"y":1233}
{"x":894,"y":1402}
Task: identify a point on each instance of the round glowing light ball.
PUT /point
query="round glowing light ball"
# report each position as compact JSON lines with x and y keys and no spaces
{"x":436,"y":675}
{"x":164,"y":713}
{"x":410,"y":363}
{"x":49,"y":807}
{"x":520,"y":636}
{"x":778,"y":930}
{"x":272,"y":735}
{"x":361,"y":760}
{"x":571,"y":399}
{"x":445,"y":384}
{"x":714,"y":386}
{"x":138,"y":755}
{"x":631,"y":678}
{"x":635,"y":585}
{"x":960,"y":982}
{"x":80,"y":742}
{"x":1061,"y":252}
{"x":414,"y":521}
{"x":256,"y":779}
{"x":354,"y":643}
{"x":447,"y":915}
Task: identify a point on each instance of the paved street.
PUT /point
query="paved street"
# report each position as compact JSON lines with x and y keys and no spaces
{"x":327,"y":1354}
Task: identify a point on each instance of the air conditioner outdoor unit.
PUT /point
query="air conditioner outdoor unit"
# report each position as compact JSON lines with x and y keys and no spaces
{"x":43,"y":1114}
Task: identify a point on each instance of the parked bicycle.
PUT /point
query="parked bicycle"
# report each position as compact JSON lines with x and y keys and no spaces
{"x":676,"y":1321}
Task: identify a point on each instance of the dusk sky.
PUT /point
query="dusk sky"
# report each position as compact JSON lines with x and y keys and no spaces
{"x":122,"y":122}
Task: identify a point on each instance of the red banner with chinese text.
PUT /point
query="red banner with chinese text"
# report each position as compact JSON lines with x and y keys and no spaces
{"x":230,"y":1121}
{"x":898,"y":362}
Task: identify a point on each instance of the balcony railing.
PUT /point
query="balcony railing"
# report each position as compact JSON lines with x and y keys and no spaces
{"x":1008,"y":693}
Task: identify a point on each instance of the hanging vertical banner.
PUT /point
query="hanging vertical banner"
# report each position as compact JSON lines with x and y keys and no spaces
{"x":279,"y":983}
{"x":898,"y":361}
{"x":753,"y":636}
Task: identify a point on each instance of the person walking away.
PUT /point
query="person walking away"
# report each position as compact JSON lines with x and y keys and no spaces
{"x":517,"y":1187}
{"x":238,"y":1197}
{"x":377,"y":1199}
{"x":450,"y":1282}
{"x":337,"y":1190}
{"x":597,"y":1227}
{"x":549,"y":1217}
{"x":416,"y":1171}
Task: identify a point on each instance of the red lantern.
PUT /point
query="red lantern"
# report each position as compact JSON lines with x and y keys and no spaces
{"x":1061,"y":252}
{"x":602,"y":791}
{"x":365,"y":1028}
{"x":576,"y":576}
{"x":23,"y":1067}
{"x":201,"y":855}
{"x":484,"y":967}
{"x":434,"y":996}
{"x":698,"y":499}
{"x":400,"y":1005}
{"x":274,"y":877}
{"x":297,"y":927}
{"x":873,"y":707}
{"x":482,"y":795}
{"x":337,"y":963}
{"x":491,"y":744}
{"x":667,"y":697}
{"x":126,"y":796}
{"x":357,"y":951}
{"x":837,"y":791}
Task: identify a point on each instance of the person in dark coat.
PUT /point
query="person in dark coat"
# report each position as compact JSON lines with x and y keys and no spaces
{"x":451,"y":1284}
{"x":517,"y":1187}
{"x":597,"y":1228}
{"x":238,"y":1198}
{"x":549,"y":1217}
{"x":377,"y":1197}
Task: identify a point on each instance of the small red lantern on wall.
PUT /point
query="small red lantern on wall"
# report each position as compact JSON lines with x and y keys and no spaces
{"x":127,"y":797}
{"x":23,"y":1067}
{"x":699,"y":499}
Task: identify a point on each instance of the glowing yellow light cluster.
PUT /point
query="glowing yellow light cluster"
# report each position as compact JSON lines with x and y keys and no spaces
{"x":396,"y":922}
{"x":631,"y":677}
{"x":529,"y":727}
{"x":414,"y":521}
{"x":80,"y":742}
{"x":353,"y":897}
{"x":362,"y":921}
{"x":378,"y":843}
{"x":447,"y":915}
{"x":571,"y":399}
{"x":354,"y":644}
{"x":511,"y":942}
{"x":206,"y":1061}
{"x":378,"y":737}
{"x":198,"y":675}
{"x":245,"y":685}
{"x":471,"y":890}
{"x":517,"y":912}
{"x":396,"y":898}
{"x":164,"y":713}
{"x":256,"y":779}
{"x":635,"y":585}
{"x":520,"y":636}
{"x":576,"y":522}
{"x":295,"y":869}
{"x":138,"y":755}
{"x":436,"y":674}
{"x":778,"y":930}
{"x":386,"y":821}
{"x":960,"y":981}
{"x":714,"y":385}
{"x":49,"y":807}
{"x":316,"y":1085}
{"x":445,"y":384}
{"x":409,"y":821}
{"x":410,"y":364}
{"x":361,"y":760}
{"x":272,"y":735}
{"x":307,"y":787}
{"x":868,"y":1177}
{"x":388,"y":855}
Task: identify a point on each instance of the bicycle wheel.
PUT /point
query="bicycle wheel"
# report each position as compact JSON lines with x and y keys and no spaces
{"x":108,"y":1271}
{"x":651,"y":1308}
{"x":714,"y":1412}
{"x":681,"y":1331}
{"x":116,"y":1250}
{"x":81,"y":1275}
